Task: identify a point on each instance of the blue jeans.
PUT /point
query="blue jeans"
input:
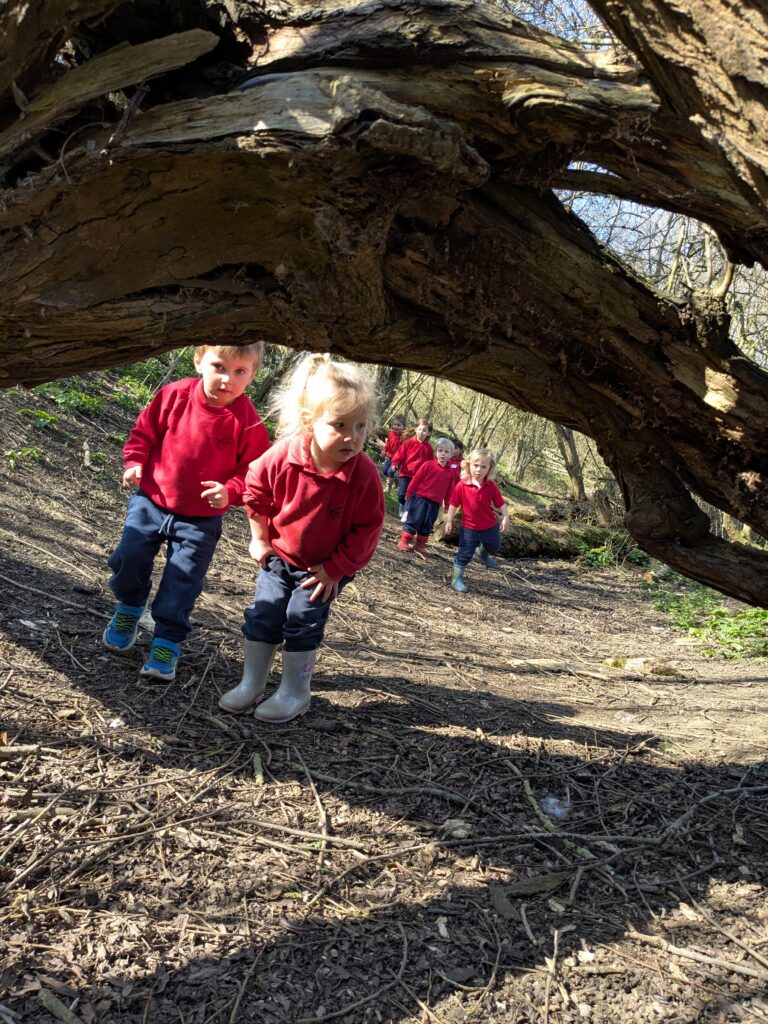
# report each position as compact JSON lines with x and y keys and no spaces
{"x":422,"y":513}
{"x":402,"y":487}
{"x":386,"y":469}
{"x":282,"y":611}
{"x":470,"y":540}
{"x":190,"y":542}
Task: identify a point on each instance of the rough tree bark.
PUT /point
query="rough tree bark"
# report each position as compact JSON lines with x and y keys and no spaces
{"x":382,"y":186}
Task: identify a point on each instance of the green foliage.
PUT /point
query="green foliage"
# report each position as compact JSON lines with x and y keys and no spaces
{"x":22,"y":456}
{"x":636,"y":556}
{"x":71,"y":396}
{"x":738,"y":635}
{"x":617,"y":549}
{"x":132,"y":394}
{"x":42,"y":418}
{"x":595,"y":558}
{"x":390,"y":503}
{"x":699,"y":611}
{"x":146,"y":376}
{"x":118,"y":438}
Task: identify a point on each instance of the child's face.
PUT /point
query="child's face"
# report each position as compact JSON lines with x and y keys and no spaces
{"x":224,"y":378}
{"x":338,"y":437}
{"x":398,"y":426}
{"x":443,"y":452}
{"x":479,"y":468}
{"x":422,"y":432}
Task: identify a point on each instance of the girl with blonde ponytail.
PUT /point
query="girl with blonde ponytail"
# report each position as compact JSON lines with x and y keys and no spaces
{"x":316,"y":508}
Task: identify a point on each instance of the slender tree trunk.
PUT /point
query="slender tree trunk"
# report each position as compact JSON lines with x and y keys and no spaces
{"x":566,"y":444}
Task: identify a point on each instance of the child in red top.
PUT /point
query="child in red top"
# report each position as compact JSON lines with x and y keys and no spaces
{"x":394,"y":439}
{"x":414,"y":450}
{"x":316,"y":509}
{"x":477,"y":496}
{"x":187,"y":456}
{"x":431,"y":486}
{"x":456,"y":458}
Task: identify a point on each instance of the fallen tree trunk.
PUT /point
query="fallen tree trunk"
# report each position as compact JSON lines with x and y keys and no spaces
{"x":381,"y":186}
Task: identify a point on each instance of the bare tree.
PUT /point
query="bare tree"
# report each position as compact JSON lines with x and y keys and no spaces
{"x":566,"y":445}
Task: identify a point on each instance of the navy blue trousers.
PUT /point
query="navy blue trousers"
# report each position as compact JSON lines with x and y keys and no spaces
{"x":282,"y":611}
{"x":470,"y":540}
{"x":422,"y":513}
{"x":190,"y":542}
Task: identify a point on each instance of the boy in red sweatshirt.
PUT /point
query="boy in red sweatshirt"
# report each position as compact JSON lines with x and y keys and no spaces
{"x":187,"y":457}
{"x":430,"y":487}
{"x":414,"y":450}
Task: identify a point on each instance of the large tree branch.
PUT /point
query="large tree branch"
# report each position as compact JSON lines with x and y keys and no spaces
{"x":380,"y":187}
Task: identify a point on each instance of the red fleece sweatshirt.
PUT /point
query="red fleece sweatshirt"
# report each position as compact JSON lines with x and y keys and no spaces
{"x":477,"y":504}
{"x":179,"y":440}
{"x":328,"y":519}
{"x":410,"y":456}
{"x":393,"y":442}
{"x":433,"y":481}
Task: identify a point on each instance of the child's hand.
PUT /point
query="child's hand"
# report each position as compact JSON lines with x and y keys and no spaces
{"x":260,"y":551}
{"x":132,"y":478}
{"x":504,"y":524}
{"x":216,"y":494}
{"x":448,"y":528}
{"x":325,"y":587}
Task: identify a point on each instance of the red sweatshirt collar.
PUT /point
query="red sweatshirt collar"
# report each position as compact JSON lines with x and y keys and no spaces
{"x":300,"y":455}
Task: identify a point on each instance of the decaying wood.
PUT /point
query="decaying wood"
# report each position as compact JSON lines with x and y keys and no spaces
{"x":377,"y":180}
{"x":114,"y":70}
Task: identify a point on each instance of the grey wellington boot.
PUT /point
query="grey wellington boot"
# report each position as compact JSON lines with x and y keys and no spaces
{"x":458,"y":578}
{"x":487,"y":559}
{"x":293,"y":695}
{"x":257,"y":661}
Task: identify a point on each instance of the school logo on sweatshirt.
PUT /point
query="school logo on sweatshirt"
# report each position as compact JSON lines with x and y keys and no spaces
{"x":335,"y":510}
{"x":224,"y":442}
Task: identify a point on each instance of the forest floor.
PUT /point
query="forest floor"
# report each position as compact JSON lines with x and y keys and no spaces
{"x":477,"y":820}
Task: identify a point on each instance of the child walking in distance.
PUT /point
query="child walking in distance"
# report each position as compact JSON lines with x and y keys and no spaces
{"x":477,"y":496}
{"x":316,"y":508}
{"x":414,"y":449}
{"x":456,"y":458}
{"x":187,"y":456}
{"x":431,"y":486}
{"x":391,"y":446}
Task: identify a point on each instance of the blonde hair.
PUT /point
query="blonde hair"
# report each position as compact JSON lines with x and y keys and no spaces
{"x":255,"y":349}
{"x":483,"y":453}
{"x":317,"y":384}
{"x":444,"y":441}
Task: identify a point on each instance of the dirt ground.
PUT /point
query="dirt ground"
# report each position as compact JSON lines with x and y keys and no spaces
{"x":476,"y":820}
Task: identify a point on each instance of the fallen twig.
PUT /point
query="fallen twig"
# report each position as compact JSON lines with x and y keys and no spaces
{"x":691,"y":954}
